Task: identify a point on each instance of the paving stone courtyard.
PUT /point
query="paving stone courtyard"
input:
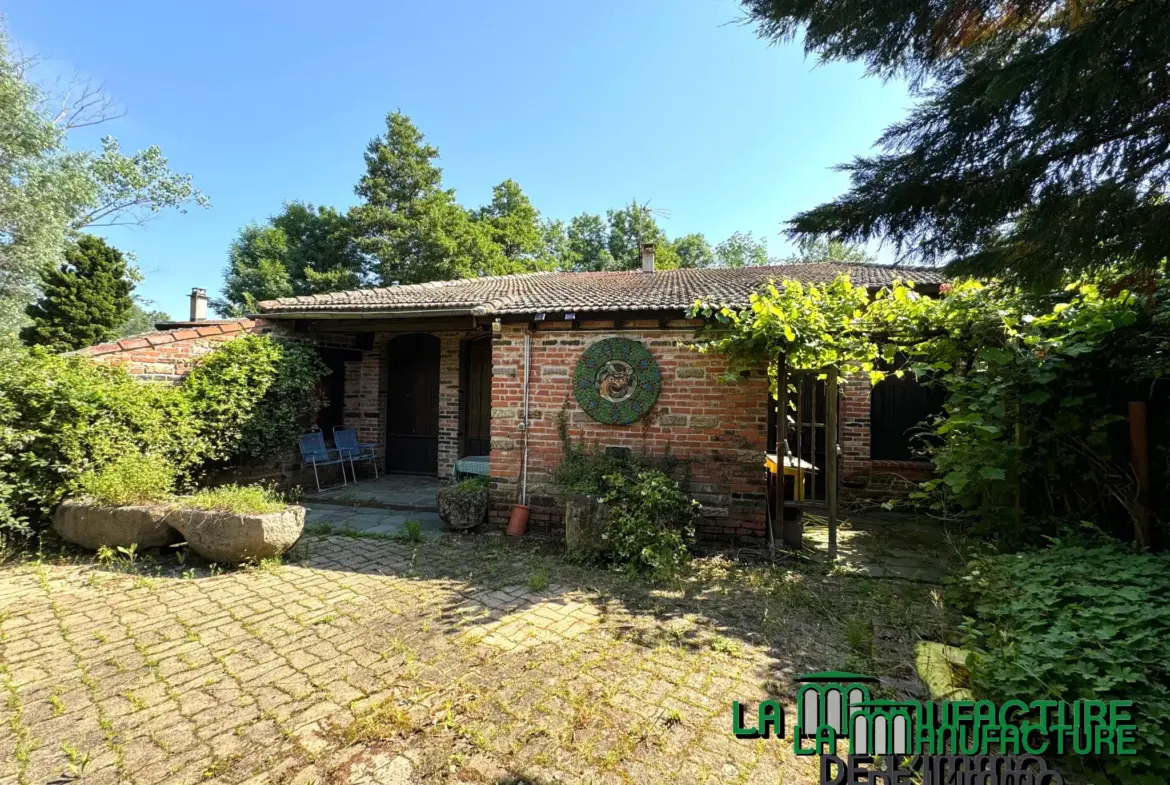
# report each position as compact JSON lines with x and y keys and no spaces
{"x":453,"y":659}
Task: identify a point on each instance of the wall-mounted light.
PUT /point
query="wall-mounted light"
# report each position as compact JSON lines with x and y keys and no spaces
{"x":570,"y":316}
{"x":496,"y":326}
{"x":539,"y":317}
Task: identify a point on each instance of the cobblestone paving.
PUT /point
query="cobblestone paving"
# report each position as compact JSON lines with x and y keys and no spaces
{"x":378,"y":661}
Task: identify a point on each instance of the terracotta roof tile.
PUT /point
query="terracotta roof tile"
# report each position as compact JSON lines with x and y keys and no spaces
{"x":605,"y":291}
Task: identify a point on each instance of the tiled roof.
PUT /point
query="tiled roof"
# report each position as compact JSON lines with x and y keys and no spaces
{"x":197,"y":329}
{"x":606,"y":291}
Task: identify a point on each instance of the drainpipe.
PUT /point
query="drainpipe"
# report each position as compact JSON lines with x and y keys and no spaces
{"x":524,"y":420}
{"x":519,"y":518}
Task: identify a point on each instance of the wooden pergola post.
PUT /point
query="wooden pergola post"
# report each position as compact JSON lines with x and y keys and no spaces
{"x":831,"y":458}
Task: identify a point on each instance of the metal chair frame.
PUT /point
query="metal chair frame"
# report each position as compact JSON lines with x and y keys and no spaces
{"x":315,"y":453}
{"x":347,"y":444}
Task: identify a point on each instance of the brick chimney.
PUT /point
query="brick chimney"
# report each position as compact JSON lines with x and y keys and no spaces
{"x":198,"y":305}
{"x":648,"y":250}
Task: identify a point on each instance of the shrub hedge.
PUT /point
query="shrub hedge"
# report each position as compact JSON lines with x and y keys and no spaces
{"x":63,"y":416}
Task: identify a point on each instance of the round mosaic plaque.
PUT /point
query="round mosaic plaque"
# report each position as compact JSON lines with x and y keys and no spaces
{"x":617,"y":381}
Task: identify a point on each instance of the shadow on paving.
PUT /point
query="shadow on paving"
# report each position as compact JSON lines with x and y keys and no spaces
{"x":473,"y":658}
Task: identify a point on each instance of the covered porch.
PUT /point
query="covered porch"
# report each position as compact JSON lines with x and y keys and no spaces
{"x":417,"y":389}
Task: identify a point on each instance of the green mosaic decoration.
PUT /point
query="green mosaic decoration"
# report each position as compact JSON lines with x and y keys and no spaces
{"x":617,"y":381}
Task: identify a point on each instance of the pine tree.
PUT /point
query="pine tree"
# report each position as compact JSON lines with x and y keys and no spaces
{"x":1040,"y":144}
{"x":409,"y":223}
{"x":84,"y":301}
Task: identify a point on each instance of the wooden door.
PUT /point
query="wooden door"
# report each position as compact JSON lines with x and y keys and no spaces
{"x":477,"y":412}
{"x":412,"y":404}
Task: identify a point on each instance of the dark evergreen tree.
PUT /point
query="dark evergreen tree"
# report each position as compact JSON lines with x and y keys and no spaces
{"x":1041,"y":141}
{"x":409,"y":224}
{"x":84,"y":301}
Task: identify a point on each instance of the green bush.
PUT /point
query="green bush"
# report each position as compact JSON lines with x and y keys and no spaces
{"x":1076,"y":621}
{"x":254,"y":396}
{"x":63,"y":416}
{"x":648,"y":522}
{"x":132,"y":478}
{"x":236,"y":499}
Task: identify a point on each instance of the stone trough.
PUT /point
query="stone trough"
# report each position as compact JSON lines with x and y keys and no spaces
{"x":219,"y":537}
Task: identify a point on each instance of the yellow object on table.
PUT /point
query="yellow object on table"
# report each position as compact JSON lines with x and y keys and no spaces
{"x":794,"y":467}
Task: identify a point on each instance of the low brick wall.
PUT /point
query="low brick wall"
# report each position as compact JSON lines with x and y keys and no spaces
{"x":169,"y":354}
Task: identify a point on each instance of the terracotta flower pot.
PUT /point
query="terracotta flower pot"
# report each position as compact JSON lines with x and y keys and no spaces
{"x":518,"y":522}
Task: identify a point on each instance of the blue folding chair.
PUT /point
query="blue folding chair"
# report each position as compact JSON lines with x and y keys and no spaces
{"x":315,"y":453}
{"x":346,"y":441}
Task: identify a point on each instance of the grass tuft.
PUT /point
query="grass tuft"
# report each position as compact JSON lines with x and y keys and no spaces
{"x":235,"y":499}
{"x":383,"y":721}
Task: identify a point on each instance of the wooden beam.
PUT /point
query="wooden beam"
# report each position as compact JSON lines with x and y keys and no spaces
{"x":390,"y":325}
{"x":603,"y":316}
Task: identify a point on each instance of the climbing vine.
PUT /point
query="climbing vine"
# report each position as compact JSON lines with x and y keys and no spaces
{"x":1025,"y":435}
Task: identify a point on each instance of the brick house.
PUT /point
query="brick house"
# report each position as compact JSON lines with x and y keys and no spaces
{"x":435,"y":372}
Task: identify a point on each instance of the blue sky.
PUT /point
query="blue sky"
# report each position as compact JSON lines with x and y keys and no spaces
{"x":586,"y":104}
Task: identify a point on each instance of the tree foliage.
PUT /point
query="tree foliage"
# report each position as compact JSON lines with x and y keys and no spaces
{"x":302,"y":250}
{"x":409,"y":228}
{"x":1035,"y":385}
{"x":1040,"y":144}
{"x":41,"y":189}
{"x":410,"y":225}
{"x":514,"y":224}
{"x":48,"y":192}
{"x":130,"y":189}
{"x":140,"y":319}
{"x":84,"y":301}
{"x":742,"y":249}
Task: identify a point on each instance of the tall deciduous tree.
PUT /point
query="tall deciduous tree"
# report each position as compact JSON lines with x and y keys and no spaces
{"x":140,"y":319}
{"x":819,"y":249}
{"x":84,"y":301}
{"x":1040,"y":143}
{"x":587,"y":244}
{"x":48,"y":192}
{"x":409,"y":224}
{"x":693,"y":251}
{"x":40,"y":190}
{"x":741,"y":249}
{"x":301,"y":250}
{"x":130,"y":189}
{"x":629,"y":227}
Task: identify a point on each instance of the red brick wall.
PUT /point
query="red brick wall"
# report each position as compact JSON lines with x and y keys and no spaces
{"x":365,"y":395}
{"x":857,"y":467}
{"x":720,"y":429}
{"x":168,"y":354}
{"x":855,"y":414}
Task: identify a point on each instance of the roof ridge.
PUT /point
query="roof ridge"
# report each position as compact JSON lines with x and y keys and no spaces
{"x":322,"y":296}
{"x":580,"y":290}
